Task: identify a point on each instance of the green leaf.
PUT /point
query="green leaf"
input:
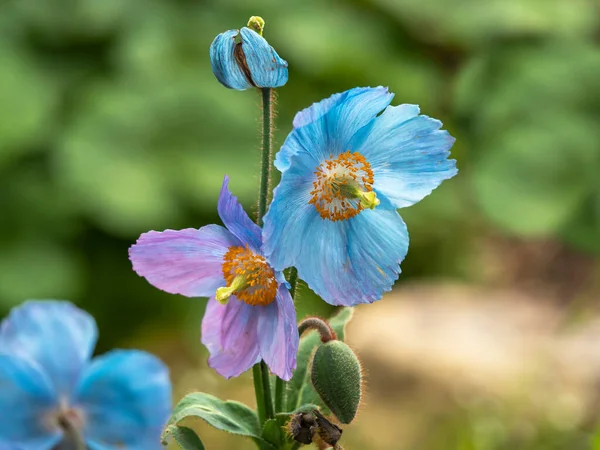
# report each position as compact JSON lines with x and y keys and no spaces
{"x":184,"y":436}
{"x":230,"y":416}
{"x":534,"y":177}
{"x":300,"y":391}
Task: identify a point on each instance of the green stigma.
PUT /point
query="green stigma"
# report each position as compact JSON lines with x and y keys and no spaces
{"x":223,"y":293}
{"x":257,"y":23}
{"x":368,"y":199}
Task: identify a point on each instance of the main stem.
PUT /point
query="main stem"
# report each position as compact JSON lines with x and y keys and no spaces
{"x":262,"y":382}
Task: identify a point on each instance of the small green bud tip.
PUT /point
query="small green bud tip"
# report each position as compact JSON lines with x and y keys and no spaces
{"x":223,"y":293}
{"x":256,"y":23}
{"x":337,"y":378}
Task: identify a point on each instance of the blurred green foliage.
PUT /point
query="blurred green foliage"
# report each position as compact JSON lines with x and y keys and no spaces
{"x":111,"y":124}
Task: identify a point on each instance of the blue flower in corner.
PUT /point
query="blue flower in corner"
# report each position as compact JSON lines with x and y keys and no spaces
{"x":51,"y":393}
{"x":242,"y":59}
{"x":345,"y":169}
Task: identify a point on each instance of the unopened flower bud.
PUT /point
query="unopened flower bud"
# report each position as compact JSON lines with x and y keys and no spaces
{"x":336,"y":376}
{"x":242,"y":59}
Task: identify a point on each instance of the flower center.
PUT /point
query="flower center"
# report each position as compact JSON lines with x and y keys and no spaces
{"x":344,"y":187}
{"x":249,"y":277}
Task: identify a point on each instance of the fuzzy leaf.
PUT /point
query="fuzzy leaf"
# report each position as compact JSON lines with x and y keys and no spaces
{"x":231,"y":416}
{"x":185,"y":437}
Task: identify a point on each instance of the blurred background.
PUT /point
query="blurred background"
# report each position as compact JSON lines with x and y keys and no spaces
{"x":112,"y":124}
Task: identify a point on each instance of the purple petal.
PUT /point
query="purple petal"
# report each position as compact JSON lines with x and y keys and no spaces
{"x":278,"y":334}
{"x":187,"y":262}
{"x":57,"y":335}
{"x":26,"y":395}
{"x":236,"y":220}
{"x":126,"y":397}
{"x":229,"y":332}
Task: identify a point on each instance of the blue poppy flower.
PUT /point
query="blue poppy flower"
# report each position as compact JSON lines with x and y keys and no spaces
{"x":53,"y":393}
{"x":242,"y":59}
{"x":345,"y":170}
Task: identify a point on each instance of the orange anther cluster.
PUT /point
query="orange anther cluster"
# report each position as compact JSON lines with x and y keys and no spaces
{"x":337,"y":180}
{"x":261,"y":286}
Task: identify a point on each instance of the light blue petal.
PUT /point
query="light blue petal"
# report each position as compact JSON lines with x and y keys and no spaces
{"x":408,"y":154}
{"x":357,"y":260}
{"x":290,"y":214}
{"x":268,"y":70}
{"x":126,"y":399}
{"x":223,"y":62}
{"x":229,"y":332}
{"x":26,"y":397}
{"x":328,"y":126}
{"x":187,"y":262}
{"x":56,"y":335}
{"x":278,"y":334}
{"x":236,"y":219}
{"x":377,"y":244}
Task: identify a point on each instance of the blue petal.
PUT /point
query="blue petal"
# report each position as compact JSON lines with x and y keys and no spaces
{"x":56,"y":335}
{"x":187,"y":262}
{"x":229,"y":332}
{"x":26,"y":396}
{"x":327,"y":127}
{"x":278,"y":334}
{"x":236,"y":220}
{"x":268,"y":70}
{"x":224,"y":65}
{"x":290,"y":214}
{"x":377,"y":244}
{"x":408,"y":154}
{"x":126,"y":398}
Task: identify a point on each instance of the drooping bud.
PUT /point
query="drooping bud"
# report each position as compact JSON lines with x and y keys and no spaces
{"x":336,"y":376}
{"x":242,"y":59}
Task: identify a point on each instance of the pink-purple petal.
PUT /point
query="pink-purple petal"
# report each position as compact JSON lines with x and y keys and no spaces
{"x":236,"y":220}
{"x":229,"y":332}
{"x":187,"y":262}
{"x":278,"y":334}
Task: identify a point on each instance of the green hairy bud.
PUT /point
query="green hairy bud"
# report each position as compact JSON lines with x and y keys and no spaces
{"x":336,"y":376}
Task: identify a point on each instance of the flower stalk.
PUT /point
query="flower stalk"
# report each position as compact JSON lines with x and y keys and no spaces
{"x":260,"y":371}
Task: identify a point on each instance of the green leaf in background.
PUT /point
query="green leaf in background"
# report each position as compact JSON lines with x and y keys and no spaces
{"x":299,"y":389}
{"x":28,"y":102}
{"x":470,"y":23}
{"x":534,"y":178}
{"x":230,"y":416}
{"x":185,"y":437}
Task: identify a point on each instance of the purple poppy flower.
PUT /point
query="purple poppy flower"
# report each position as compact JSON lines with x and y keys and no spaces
{"x":52,"y":394}
{"x":250,"y":315}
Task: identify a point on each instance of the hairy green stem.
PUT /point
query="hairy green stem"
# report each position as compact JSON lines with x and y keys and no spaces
{"x":260,"y":372}
{"x":260,"y":396}
{"x":267,"y":150}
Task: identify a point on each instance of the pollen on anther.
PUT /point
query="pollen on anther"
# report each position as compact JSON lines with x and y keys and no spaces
{"x":336,"y":179}
{"x":261,"y":285}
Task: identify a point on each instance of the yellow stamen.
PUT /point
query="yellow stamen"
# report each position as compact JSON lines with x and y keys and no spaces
{"x":248,"y":276}
{"x":343,"y":187}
